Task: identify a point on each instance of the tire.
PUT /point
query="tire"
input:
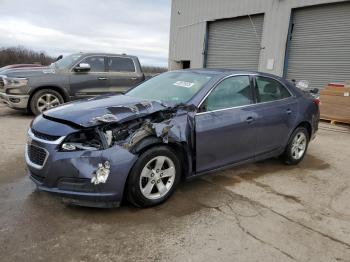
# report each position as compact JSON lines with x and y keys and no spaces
{"x":51,"y":97}
{"x":148,"y":184}
{"x":297,"y":146}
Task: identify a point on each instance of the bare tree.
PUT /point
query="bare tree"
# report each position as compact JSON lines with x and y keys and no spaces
{"x":22,"y":55}
{"x":153,"y":70}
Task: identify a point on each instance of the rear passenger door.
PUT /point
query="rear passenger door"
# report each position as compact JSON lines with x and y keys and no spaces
{"x":122,"y":74}
{"x":276,"y":111}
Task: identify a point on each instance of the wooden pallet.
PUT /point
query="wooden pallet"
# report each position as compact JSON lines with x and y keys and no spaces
{"x":334,"y":122}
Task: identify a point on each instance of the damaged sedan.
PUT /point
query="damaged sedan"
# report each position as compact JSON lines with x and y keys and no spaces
{"x":178,"y":125}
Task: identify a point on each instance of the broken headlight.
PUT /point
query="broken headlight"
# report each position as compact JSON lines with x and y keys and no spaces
{"x":85,"y":140}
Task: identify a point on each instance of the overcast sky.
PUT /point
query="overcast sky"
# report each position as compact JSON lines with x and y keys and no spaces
{"x":138,"y":27}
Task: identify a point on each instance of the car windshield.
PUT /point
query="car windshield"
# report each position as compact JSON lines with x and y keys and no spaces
{"x":178,"y":87}
{"x":67,"y":61}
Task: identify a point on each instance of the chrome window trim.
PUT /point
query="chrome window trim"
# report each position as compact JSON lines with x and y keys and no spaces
{"x":55,"y":142}
{"x":125,"y":57}
{"x":30,"y":163}
{"x":254,"y":104}
{"x":243,"y":106}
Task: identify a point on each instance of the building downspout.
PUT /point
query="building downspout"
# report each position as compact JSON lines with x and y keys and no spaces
{"x":289,"y":38}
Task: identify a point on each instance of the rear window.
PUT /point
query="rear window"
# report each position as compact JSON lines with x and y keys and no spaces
{"x":121,"y":64}
{"x":270,"y":90}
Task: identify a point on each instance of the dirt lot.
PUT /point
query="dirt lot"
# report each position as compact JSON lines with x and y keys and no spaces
{"x":258,"y":212}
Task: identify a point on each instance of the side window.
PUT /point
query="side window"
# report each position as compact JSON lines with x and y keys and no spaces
{"x":121,"y":64}
{"x":97,"y":63}
{"x":231,"y":92}
{"x":270,"y":89}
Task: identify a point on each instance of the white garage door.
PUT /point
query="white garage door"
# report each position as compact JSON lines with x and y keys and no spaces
{"x":320,"y":45}
{"x":235,"y":43}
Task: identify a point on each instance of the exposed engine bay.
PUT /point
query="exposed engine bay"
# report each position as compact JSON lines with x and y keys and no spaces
{"x":130,"y":133}
{"x":126,"y":134}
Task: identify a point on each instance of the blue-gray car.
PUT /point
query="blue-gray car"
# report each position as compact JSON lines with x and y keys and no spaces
{"x":179,"y":125}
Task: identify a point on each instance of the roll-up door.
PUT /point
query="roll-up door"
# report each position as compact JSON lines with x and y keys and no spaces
{"x":235,"y":43}
{"x":320,"y":44}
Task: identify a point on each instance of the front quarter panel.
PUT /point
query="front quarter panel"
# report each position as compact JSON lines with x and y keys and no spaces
{"x":61,"y":167}
{"x":51,"y":79}
{"x":81,"y":165}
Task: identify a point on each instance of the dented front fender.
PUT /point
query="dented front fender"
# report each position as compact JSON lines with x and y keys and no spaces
{"x":71,"y":174}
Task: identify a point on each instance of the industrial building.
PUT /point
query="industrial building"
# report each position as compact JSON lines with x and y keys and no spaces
{"x":296,"y":39}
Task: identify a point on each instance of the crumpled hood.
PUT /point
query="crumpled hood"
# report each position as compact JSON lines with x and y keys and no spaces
{"x":104,"y":109}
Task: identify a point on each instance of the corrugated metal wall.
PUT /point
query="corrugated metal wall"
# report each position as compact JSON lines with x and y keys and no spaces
{"x":189,"y":18}
{"x":235,"y":43}
{"x":320,"y":45}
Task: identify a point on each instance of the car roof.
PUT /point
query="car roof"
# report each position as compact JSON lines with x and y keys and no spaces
{"x":225,"y":72}
{"x":105,"y":54}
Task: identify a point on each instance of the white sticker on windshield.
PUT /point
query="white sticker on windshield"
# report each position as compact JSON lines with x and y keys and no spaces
{"x":184,"y":84}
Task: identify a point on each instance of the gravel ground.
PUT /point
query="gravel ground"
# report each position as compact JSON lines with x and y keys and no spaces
{"x":258,"y":212}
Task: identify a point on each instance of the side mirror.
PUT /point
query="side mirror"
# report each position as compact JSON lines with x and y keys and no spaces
{"x":82,"y":67}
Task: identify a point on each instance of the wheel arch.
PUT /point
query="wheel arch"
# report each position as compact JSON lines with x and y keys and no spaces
{"x":307,"y":125}
{"x":181,"y":150}
{"x":58,"y":89}
{"x":303,"y":123}
{"x":151,"y":141}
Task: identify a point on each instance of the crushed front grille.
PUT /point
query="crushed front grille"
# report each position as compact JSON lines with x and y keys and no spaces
{"x":37,"y":155}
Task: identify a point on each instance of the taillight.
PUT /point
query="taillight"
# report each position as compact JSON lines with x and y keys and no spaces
{"x":317,"y":101}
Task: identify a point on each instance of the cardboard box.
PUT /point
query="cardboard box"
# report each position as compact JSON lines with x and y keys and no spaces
{"x":347,"y":84}
{"x":335,"y":104}
{"x":339,"y":91}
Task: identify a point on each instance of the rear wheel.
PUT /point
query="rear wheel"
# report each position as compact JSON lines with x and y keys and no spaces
{"x":297,"y":146}
{"x":45,"y":99}
{"x":154,"y":177}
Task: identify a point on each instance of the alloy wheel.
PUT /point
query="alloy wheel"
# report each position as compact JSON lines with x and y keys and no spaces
{"x":47,"y":101}
{"x":299,"y":145}
{"x":157,"y":177}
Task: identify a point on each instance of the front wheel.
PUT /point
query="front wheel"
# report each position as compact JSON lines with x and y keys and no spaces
{"x":154,"y":177}
{"x":297,"y":146}
{"x":45,"y":99}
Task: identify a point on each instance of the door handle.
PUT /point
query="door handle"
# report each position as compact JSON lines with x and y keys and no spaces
{"x":249,"y":119}
{"x":134,"y":78}
{"x":288,"y":111}
{"x":102,"y":78}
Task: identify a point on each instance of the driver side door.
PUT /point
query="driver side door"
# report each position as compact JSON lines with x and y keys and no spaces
{"x":93,"y":82}
{"x":225,"y":127}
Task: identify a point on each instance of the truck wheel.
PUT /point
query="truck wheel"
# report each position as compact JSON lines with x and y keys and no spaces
{"x":45,"y":99}
{"x":154,"y":177}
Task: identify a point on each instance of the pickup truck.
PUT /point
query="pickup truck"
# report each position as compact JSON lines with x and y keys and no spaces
{"x":73,"y":77}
